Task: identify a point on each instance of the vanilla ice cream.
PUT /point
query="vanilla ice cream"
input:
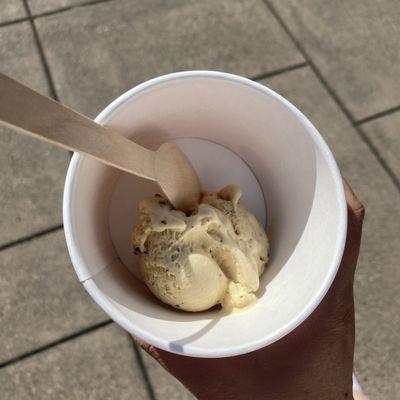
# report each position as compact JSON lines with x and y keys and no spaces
{"x":213,"y":256}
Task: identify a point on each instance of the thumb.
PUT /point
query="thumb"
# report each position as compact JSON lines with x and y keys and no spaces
{"x":355,"y":213}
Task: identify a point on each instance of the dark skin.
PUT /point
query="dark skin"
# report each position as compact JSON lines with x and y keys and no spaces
{"x":313,"y":362}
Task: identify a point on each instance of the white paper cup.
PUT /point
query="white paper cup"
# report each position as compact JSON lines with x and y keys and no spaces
{"x":300,"y":181}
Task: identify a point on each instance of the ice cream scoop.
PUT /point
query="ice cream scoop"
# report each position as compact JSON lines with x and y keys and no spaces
{"x":214,"y":255}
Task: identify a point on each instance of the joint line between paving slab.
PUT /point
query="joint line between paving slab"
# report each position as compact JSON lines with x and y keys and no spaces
{"x":309,"y":60}
{"x":52,"y":12}
{"x":279,"y":71}
{"x":378,"y":115}
{"x":143,"y":370}
{"x":52,"y":88}
{"x":68,"y":8}
{"x":13,"y":21}
{"x":334,"y":96}
{"x":31,"y":237}
{"x":55,"y":343}
{"x":374,"y":150}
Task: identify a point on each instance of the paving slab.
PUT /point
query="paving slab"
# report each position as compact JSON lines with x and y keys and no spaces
{"x":11,"y":10}
{"x":384,"y":133}
{"x":165,"y":386}
{"x":355,"y":45}
{"x":377,"y":360}
{"x":31,"y":183}
{"x":32,"y":173}
{"x":41,"y":299}
{"x":94,"y":57}
{"x":19,"y":57}
{"x":41,"y":6}
{"x":97,"y":366}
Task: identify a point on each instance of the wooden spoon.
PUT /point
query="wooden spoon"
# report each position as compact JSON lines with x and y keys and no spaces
{"x":31,"y":113}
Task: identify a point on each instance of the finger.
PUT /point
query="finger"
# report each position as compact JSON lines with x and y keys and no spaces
{"x":353,"y":202}
{"x":151,"y":350}
{"x":145,"y":346}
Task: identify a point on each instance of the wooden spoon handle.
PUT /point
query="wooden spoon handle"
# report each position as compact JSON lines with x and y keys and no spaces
{"x":39,"y":116}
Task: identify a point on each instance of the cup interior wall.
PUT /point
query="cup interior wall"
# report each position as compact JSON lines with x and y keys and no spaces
{"x":290,"y":166}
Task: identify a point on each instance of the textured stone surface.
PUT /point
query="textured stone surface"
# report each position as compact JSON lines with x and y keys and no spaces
{"x":95,"y":57}
{"x":32,"y":173}
{"x":98,"y":366}
{"x":355,"y":44}
{"x":11,"y":10}
{"x":384,"y":133}
{"x":165,"y":386}
{"x":40,"y":296}
{"x":32,"y":181}
{"x":41,"y":6}
{"x":19,"y":57}
{"x":377,"y":359}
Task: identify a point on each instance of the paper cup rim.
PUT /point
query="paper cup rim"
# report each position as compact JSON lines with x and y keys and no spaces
{"x":190,"y":350}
